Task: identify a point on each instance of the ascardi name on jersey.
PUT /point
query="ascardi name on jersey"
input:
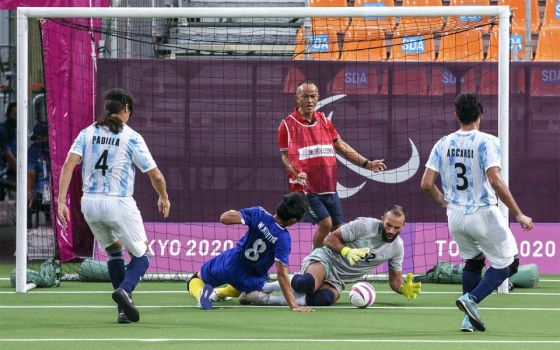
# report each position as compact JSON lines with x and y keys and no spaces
{"x":102,"y":140}
{"x":267,"y":233}
{"x":457,"y":152}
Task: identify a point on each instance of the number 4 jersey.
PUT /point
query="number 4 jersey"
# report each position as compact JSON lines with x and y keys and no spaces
{"x":462,"y":159}
{"x":109,"y":159}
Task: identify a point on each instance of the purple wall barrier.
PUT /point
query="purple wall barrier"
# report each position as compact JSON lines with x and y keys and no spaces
{"x":183,"y":247}
{"x":211,"y":125}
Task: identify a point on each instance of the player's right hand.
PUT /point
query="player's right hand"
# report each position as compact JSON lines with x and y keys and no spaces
{"x":525,"y":222}
{"x":302,"y":309}
{"x":63,"y":215}
{"x":354,"y":254}
{"x":302,"y":178}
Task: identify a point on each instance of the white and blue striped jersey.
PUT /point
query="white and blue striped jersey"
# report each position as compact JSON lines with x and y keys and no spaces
{"x":462,"y":159}
{"x":109,"y":159}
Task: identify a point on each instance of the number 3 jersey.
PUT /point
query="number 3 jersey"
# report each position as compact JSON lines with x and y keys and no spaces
{"x":462,"y":159}
{"x":264,"y":242}
{"x":109,"y":159}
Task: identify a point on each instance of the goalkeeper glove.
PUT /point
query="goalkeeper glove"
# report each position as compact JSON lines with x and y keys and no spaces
{"x":409,"y":289}
{"x":354,"y":254}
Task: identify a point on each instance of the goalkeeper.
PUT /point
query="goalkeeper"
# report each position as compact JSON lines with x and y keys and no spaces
{"x":349,"y":252}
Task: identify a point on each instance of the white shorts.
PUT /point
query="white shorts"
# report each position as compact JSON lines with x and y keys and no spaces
{"x":112,"y":218}
{"x":484,"y":231}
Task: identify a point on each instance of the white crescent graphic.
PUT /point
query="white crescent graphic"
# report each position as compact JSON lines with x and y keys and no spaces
{"x":345,"y":192}
{"x":392,"y":176}
{"x":327,"y":101}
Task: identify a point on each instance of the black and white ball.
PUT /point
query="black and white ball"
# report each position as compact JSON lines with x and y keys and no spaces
{"x":362,"y":295}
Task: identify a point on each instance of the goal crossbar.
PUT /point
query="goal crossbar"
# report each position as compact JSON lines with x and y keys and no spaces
{"x":279,"y":12}
{"x":24,"y":13}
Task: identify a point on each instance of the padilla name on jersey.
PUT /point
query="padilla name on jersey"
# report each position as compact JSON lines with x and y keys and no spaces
{"x":311,"y":150}
{"x":361,"y":233}
{"x":264,"y":242}
{"x":462,"y":159}
{"x":109,"y":159}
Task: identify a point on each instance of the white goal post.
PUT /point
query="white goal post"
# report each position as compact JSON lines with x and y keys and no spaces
{"x":25,"y":13}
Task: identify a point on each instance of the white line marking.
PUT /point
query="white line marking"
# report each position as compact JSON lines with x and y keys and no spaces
{"x":280,"y":340}
{"x":272,"y":306}
{"x":35,"y":291}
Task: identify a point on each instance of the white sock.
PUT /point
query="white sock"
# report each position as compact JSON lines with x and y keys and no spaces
{"x":280,"y":300}
{"x":277,"y":300}
{"x":300,"y":299}
{"x":271,"y":287}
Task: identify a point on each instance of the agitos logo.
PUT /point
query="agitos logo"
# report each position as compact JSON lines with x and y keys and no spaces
{"x":392,"y":176}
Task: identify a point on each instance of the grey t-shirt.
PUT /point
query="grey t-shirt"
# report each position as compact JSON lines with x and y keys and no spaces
{"x":361,"y":233}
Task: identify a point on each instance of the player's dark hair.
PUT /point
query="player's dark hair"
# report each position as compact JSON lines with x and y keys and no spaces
{"x":115,"y":102}
{"x":396,"y":210}
{"x":468,"y":107}
{"x":293,"y":206}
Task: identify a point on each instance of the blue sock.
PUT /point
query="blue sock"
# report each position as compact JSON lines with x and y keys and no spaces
{"x":492,"y":280}
{"x":322,"y":297}
{"x":115,"y":265}
{"x":134,"y":271}
{"x":303,"y":284}
{"x":471,"y":279}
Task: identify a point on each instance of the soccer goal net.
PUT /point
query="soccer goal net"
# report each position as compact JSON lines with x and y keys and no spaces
{"x":211,"y":86}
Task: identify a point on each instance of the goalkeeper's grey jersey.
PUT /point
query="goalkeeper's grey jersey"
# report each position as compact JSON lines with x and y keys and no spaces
{"x":361,"y":233}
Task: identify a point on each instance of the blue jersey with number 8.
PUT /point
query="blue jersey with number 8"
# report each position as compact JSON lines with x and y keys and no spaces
{"x":462,"y":159}
{"x":264,"y":242}
{"x":110,"y":160}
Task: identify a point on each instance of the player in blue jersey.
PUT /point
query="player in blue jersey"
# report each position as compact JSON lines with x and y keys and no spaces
{"x":110,"y":151}
{"x":468,"y":161}
{"x":244,"y":268}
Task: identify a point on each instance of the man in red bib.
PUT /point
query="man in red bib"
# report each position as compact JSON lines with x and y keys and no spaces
{"x":308,"y":143}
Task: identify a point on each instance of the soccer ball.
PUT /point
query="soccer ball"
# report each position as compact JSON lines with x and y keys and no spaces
{"x":362,"y":295}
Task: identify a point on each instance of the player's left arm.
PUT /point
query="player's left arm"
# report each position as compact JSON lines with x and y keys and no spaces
{"x":503,"y":192}
{"x":429,"y":187}
{"x":353,"y":155}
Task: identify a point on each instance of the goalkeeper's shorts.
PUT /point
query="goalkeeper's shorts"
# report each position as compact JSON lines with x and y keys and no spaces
{"x":320,"y":255}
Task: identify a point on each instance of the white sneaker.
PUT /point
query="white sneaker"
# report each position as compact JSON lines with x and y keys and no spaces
{"x":214,"y":297}
{"x":256,"y":297}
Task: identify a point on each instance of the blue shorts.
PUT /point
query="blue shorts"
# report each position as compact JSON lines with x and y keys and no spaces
{"x":224,"y":269}
{"x":322,"y":206}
